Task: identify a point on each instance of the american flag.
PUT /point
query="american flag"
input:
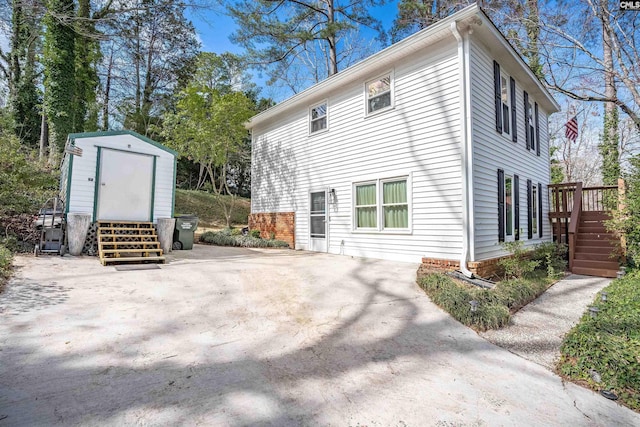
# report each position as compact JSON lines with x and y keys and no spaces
{"x":571,"y":131}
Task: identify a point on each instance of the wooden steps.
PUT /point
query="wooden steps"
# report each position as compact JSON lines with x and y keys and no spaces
{"x":596,"y":252}
{"x":128,"y":241}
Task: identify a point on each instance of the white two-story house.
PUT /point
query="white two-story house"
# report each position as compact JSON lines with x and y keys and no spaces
{"x":435,"y":149}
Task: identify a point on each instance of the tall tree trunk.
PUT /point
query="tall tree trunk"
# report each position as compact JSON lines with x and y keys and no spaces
{"x":107,"y":94}
{"x":333,"y":50}
{"x":609,"y":149}
{"x":44,"y":137}
{"x":532,"y":26}
{"x":59,"y":66}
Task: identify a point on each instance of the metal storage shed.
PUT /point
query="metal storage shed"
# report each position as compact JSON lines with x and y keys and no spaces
{"x":118,"y":176}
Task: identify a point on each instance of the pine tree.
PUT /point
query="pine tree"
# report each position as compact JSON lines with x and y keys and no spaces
{"x":279,"y":36}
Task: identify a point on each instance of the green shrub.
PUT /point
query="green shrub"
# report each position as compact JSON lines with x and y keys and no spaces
{"x":5,"y":263}
{"x":455,"y":299}
{"x":226,"y":238}
{"x":495,"y":305}
{"x":25,"y":184}
{"x":627,"y":221}
{"x":236,"y":231}
{"x":608,"y":344}
{"x":519,"y":264}
{"x":255,"y":234}
{"x":551,"y":257}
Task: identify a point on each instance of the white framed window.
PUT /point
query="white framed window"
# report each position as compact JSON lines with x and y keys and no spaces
{"x":382,"y":205}
{"x":318,"y":117}
{"x":534,"y":211}
{"x":505,"y":97}
{"x":531,"y":123}
{"x":366,"y":205}
{"x":509,"y":211}
{"x":379,"y":93}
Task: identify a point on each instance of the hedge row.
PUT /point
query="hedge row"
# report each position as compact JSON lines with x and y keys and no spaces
{"x":495,"y":306}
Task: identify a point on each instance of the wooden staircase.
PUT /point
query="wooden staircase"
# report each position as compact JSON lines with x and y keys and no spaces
{"x":578,"y":218}
{"x":596,"y":249}
{"x":128,"y":242}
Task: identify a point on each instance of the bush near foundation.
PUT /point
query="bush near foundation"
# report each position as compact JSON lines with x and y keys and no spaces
{"x":495,"y":306}
{"x":228,"y":238}
{"x":6,"y":257}
{"x":608,"y":344}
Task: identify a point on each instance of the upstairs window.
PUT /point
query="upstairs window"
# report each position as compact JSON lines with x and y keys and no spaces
{"x":318,"y":118}
{"x":378,"y":92}
{"x":505,"y":103}
{"x":532,"y":124}
{"x":504,"y":88}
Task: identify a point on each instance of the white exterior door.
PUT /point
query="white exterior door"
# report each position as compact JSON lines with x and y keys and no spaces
{"x":318,"y":221}
{"x":125,"y":186}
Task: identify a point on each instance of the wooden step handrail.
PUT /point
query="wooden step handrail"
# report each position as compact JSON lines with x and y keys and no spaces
{"x":574,"y":222}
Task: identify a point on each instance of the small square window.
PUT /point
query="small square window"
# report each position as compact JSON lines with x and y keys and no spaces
{"x":379,"y":94}
{"x":318,"y":118}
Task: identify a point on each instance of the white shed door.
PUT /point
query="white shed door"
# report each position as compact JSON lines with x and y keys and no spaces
{"x":124,"y":192}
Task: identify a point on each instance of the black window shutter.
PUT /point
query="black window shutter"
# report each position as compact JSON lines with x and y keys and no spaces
{"x":529,"y":209}
{"x":516,"y":204}
{"x":526,"y":120}
{"x":500,"y":205}
{"x":514,"y":120}
{"x":497,"y":96}
{"x":540,"y":209}
{"x":537,"y":129}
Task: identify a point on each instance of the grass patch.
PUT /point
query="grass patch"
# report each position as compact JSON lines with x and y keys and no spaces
{"x":608,"y":344}
{"x":495,"y":305}
{"x":228,"y":237}
{"x":208,"y":209}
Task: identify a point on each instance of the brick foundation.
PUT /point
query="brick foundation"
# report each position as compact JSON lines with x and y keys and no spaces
{"x":485,"y":268}
{"x":282,"y":224}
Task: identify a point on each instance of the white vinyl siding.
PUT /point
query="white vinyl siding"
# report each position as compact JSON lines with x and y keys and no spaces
{"x":420,"y":137}
{"x":83,"y":175}
{"x":492,"y":150}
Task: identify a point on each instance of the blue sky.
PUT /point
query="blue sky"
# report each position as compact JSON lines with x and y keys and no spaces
{"x":214,"y":30}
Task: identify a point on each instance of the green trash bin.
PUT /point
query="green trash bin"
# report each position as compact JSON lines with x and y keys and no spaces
{"x":183,"y":234}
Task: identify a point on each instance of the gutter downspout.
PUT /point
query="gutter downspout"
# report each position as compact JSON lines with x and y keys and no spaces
{"x":466,"y":162}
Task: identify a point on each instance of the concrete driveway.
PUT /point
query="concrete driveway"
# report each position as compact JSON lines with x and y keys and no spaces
{"x":235,"y":337}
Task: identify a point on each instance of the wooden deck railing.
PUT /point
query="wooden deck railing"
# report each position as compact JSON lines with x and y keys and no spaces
{"x":600,"y":199}
{"x":560,"y":208}
{"x":564,"y":197}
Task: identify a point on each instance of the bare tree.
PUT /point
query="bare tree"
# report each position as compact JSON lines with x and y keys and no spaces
{"x":576,"y":61}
